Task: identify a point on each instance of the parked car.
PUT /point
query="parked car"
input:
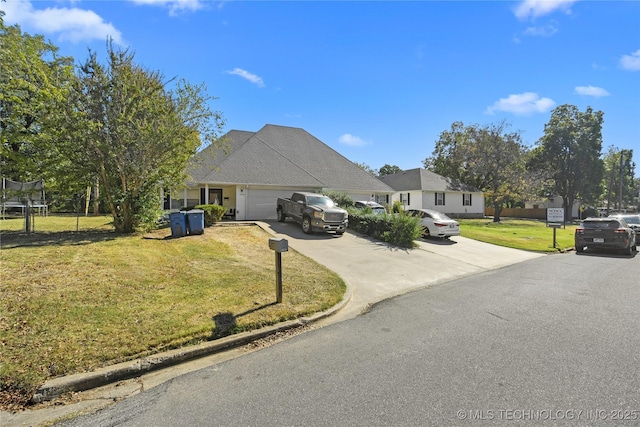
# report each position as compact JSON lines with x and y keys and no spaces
{"x":436,"y":223}
{"x":610,"y":233}
{"x":632,"y":219}
{"x":377,"y":208}
{"x":315,"y":212}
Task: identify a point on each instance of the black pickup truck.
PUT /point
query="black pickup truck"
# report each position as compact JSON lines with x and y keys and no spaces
{"x":314,"y":212}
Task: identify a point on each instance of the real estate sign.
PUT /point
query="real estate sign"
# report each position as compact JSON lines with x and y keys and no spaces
{"x":555,"y":216}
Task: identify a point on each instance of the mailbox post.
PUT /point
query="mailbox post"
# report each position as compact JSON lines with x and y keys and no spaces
{"x":278,"y":246}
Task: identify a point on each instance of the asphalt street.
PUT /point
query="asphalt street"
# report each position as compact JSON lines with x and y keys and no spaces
{"x":548,"y":341}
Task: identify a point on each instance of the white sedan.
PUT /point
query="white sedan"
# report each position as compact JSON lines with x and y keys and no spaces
{"x":435,"y":223}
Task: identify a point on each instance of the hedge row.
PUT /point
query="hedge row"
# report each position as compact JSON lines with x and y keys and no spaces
{"x":397,"y":229}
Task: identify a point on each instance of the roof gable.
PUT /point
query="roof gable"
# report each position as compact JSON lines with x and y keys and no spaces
{"x":280,"y":155}
{"x":424,"y":180}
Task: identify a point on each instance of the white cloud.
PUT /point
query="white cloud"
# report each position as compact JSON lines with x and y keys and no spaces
{"x":352,"y":140}
{"x":631,"y":62}
{"x":591,"y":91}
{"x":70,"y":24}
{"x":546,"y":31}
{"x":536,"y":8}
{"x":175,"y":6}
{"x":522,"y":104}
{"x":248,"y":76}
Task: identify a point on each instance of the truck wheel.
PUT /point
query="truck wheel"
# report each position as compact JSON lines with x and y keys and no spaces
{"x":306,"y":225}
{"x":281,"y":215}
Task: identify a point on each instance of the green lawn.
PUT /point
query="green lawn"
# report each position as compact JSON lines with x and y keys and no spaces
{"x":74,"y":301}
{"x":527,"y":234}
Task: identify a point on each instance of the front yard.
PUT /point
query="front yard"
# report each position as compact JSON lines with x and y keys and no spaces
{"x":74,"y":301}
{"x":527,"y":234}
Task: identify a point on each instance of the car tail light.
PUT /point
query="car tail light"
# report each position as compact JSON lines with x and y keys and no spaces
{"x":621,"y":230}
{"x":439,"y":224}
{"x":580,"y":230}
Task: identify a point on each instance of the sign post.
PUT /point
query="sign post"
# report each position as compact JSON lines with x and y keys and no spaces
{"x":555,"y":220}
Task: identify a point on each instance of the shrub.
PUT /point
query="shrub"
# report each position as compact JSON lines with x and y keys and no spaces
{"x":404,"y":230}
{"x":212,"y":213}
{"x":396,"y":229}
{"x":397,"y":207}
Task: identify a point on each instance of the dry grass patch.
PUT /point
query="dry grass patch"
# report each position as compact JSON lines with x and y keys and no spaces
{"x":72,"y":302}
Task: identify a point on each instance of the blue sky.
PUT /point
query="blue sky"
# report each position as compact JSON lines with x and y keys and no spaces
{"x":377,"y":81}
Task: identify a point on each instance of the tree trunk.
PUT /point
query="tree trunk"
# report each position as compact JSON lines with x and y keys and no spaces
{"x":566,"y":204}
{"x":497,"y":210}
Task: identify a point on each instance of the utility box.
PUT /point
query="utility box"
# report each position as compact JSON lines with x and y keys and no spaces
{"x":195,"y":221}
{"x":178,"y":224}
{"x":279,"y":245}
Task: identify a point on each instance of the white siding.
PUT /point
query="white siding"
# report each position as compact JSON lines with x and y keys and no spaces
{"x":453,"y":203}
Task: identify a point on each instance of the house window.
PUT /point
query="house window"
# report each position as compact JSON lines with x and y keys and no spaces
{"x":405,"y":199}
{"x":215,"y":196}
{"x":439,"y":199}
{"x":466,"y":200}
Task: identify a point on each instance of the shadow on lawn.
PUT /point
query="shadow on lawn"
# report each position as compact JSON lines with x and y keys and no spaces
{"x":225,"y":323}
{"x":20,"y":239}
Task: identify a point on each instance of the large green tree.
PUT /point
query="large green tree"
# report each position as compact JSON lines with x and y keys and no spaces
{"x":487,"y":157}
{"x":34,"y":83}
{"x":618,"y":180}
{"x":388,"y":169}
{"x":569,"y":153}
{"x":134,"y":134}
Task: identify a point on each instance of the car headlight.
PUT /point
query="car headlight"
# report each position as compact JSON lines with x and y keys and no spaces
{"x":317,"y":215}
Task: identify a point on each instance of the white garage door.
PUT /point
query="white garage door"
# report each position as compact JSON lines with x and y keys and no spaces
{"x":261,"y":204}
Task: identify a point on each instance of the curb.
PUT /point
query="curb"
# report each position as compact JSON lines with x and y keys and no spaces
{"x":127,"y":370}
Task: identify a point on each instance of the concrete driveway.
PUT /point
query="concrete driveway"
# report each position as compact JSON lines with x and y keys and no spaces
{"x":375,"y":271}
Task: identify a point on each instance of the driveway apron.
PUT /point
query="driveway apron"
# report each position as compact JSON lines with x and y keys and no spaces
{"x":375,"y":271}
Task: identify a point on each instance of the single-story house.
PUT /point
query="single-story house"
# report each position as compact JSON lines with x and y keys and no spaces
{"x":256,"y":168}
{"x":422,"y":189}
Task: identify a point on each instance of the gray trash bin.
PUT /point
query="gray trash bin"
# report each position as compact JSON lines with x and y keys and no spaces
{"x":178,"y":224}
{"x":195,"y":221}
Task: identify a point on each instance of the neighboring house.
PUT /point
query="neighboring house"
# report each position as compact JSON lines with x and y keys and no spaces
{"x":258,"y":167}
{"x":553,"y":202}
{"x":422,"y":189}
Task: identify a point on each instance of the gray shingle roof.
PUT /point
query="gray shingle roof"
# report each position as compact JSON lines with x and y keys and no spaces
{"x":422,"y":179}
{"x":283,"y":156}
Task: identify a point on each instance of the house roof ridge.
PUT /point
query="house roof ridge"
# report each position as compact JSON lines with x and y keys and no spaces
{"x":285,"y":157}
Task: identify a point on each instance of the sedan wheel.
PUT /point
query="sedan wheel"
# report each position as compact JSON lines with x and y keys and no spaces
{"x":425,"y":232}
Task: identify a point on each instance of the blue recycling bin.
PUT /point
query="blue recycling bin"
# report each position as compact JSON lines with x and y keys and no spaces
{"x":178,"y":221}
{"x":195,"y":221}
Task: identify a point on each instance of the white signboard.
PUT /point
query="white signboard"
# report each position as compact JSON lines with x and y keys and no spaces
{"x":555,"y":214}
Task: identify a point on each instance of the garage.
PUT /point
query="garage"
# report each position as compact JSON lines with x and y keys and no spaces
{"x":261,"y":203}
